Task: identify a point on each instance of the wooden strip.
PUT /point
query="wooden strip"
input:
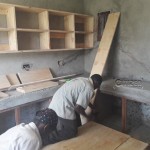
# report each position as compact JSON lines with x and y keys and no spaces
{"x":13,"y":79}
{"x":4,"y":83}
{"x":17,"y":115}
{"x":35,"y":75}
{"x":6,"y":29}
{"x":35,"y":87}
{"x":4,"y":47}
{"x":3,"y":95}
{"x":105,"y":43}
{"x":124,"y":114}
{"x":133,"y":144}
{"x":3,"y":11}
{"x":40,"y":81}
{"x":44,"y":25}
{"x":31,"y":30}
{"x":11,"y":23}
{"x":57,"y":35}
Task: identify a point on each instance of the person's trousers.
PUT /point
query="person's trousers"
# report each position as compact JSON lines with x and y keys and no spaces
{"x":66,"y":129}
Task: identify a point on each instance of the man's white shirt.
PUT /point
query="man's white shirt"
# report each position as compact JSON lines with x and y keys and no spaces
{"x":21,"y":137}
{"x":77,"y":91}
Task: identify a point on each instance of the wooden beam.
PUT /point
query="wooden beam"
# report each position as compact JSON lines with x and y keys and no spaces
{"x":17,"y":115}
{"x":124,"y":114}
{"x":105,"y":43}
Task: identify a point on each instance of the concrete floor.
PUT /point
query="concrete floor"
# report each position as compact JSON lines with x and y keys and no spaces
{"x":140,"y":132}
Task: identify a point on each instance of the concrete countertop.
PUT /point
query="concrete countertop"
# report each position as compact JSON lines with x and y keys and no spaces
{"x":133,"y":90}
{"x":140,"y":93}
{"x":17,"y":99}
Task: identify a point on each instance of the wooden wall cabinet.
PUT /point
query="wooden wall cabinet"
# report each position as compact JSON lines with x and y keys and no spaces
{"x":27,"y":29}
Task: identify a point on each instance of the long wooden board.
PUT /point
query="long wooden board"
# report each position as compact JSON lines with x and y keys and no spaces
{"x":35,"y":87}
{"x":105,"y":43}
{"x":4,"y":83}
{"x":93,"y":136}
{"x":35,"y":75}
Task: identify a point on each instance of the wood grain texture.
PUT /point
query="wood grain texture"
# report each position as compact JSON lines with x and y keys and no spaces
{"x":12,"y":78}
{"x":4,"y":83}
{"x":35,"y":75}
{"x":93,"y":136}
{"x":105,"y":44}
{"x":35,"y":87}
{"x":133,"y":144}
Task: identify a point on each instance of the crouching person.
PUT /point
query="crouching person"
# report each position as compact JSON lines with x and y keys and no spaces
{"x":32,"y":136}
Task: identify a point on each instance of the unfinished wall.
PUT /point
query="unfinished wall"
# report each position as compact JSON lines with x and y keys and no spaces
{"x":129,"y":55}
{"x":12,"y":63}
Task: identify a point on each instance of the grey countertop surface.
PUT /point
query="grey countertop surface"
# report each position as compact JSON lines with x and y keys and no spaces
{"x":132,"y":90}
{"x":137,"y":91}
{"x":17,"y":99}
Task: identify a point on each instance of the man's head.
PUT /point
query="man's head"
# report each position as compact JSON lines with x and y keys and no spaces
{"x":46,"y":120}
{"x":97,"y":80}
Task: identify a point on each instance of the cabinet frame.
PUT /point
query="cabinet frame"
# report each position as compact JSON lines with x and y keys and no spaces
{"x":48,"y":37}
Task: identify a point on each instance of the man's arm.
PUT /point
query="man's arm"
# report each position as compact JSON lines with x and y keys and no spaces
{"x":81,"y":111}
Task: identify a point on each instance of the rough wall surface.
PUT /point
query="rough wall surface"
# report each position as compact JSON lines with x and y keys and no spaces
{"x":129,"y":55}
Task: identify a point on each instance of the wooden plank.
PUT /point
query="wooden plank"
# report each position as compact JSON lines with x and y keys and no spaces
{"x":6,"y":29}
{"x":89,"y":24}
{"x":92,"y":136}
{"x":31,"y":30}
{"x":133,"y":144}
{"x":105,"y":43}
{"x":4,"y":83}
{"x":35,"y":75}
{"x":4,"y":47}
{"x":44,"y":25}
{"x":124,"y":114}
{"x":11,"y":23}
{"x":70,"y":40}
{"x":17,"y":115}
{"x":57,"y":35}
{"x":69,"y":23}
{"x":35,"y":87}
{"x":3,"y":95}
{"x":89,"y":40}
{"x":12,"y":78}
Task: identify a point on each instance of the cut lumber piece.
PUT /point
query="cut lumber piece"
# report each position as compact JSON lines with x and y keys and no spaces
{"x":93,"y":136}
{"x":105,"y":43}
{"x":35,"y":75}
{"x":3,"y":95}
{"x":88,"y":110}
{"x":35,"y":87}
{"x":40,"y":81}
{"x":12,"y":78}
{"x":4,"y":83}
{"x":133,"y":144}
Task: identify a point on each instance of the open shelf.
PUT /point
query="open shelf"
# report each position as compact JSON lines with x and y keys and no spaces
{"x":26,"y":29}
{"x":8,"y":40}
{"x":61,"y":27}
{"x":83,"y":31}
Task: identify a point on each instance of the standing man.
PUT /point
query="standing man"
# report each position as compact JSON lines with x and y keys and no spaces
{"x":71,"y":99}
{"x":30,"y":136}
